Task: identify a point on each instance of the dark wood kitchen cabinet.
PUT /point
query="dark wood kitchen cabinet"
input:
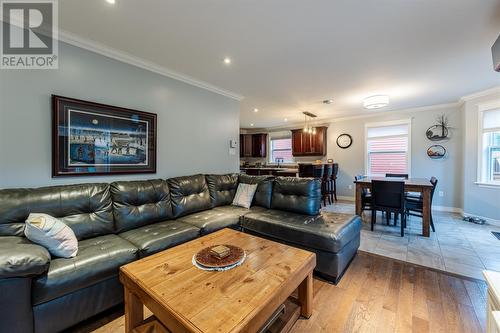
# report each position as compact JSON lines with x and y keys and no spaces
{"x":246,"y":145}
{"x":259,"y":145}
{"x":306,"y":144}
{"x":253,"y":145}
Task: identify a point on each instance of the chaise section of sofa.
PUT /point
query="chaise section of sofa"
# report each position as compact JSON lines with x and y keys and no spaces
{"x":295,"y":219}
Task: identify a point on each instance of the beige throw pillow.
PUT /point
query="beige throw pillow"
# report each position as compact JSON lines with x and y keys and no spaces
{"x":52,"y":234}
{"x":244,"y":195}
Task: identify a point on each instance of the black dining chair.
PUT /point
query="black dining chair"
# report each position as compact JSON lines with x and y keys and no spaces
{"x":415,"y":205}
{"x":389,"y":197}
{"x":366,"y":196}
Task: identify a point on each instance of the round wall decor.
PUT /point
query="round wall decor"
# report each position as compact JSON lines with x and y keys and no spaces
{"x":436,"y":152}
{"x":344,"y":141}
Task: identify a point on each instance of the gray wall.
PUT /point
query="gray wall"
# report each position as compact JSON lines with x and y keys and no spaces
{"x":478,"y":200}
{"x":194,"y":125}
{"x":448,"y":171}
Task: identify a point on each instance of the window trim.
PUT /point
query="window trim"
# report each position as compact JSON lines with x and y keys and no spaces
{"x":406,"y":121}
{"x":481,"y":109}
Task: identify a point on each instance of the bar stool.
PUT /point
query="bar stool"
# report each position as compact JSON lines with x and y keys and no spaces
{"x":305,"y":170}
{"x":327,"y":184}
{"x":334,"y":180}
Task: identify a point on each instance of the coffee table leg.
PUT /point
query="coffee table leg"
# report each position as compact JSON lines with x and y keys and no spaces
{"x":306,"y":296}
{"x":134,"y":311}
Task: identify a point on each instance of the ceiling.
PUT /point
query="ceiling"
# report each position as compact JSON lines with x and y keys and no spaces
{"x":289,"y":55}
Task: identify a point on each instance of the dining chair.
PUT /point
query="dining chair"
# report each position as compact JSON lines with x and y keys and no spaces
{"x":415,"y":205}
{"x":388,"y":196}
{"x":366,"y":197}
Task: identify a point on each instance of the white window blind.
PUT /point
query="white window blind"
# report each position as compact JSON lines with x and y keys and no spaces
{"x":387,"y":149}
{"x":281,"y":148}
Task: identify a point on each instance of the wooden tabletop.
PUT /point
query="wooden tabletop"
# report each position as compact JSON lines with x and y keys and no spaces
{"x":230,"y":301}
{"x":424,"y":182}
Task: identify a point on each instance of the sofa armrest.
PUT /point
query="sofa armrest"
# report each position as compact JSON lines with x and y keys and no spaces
{"x":21,"y":258}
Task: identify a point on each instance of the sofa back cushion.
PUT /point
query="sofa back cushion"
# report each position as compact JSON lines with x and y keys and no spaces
{"x":299,"y":195}
{"x":264,"y":191}
{"x":189,"y":194}
{"x":85,"y":208}
{"x":138,"y":203}
{"x":222,"y":188}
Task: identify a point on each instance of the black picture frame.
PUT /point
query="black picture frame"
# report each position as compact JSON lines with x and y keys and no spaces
{"x":90,"y":138}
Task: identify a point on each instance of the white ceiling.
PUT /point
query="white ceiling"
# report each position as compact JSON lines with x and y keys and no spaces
{"x":289,"y":55}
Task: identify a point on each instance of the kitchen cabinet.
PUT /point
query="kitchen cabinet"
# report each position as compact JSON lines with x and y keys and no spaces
{"x":253,"y":145}
{"x":259,"y":145}
{"x":307,"y":144}
{"x":246,"y":145}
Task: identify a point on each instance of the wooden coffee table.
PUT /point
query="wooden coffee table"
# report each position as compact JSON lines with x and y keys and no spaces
{"x":187,"y":299}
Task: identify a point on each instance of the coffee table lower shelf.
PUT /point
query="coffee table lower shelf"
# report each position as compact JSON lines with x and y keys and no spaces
{"x":282,"y":324}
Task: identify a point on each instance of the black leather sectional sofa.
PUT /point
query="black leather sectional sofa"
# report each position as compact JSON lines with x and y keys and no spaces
{"x":123,"y":221}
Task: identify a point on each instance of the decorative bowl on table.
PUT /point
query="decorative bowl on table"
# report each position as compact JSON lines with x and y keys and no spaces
{"x":219,"y":257}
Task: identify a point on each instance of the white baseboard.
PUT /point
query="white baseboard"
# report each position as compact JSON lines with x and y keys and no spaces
{"x":448,"y":209}
{"x":346,"y":198}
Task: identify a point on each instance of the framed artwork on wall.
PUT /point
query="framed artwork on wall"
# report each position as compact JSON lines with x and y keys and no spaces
{"x":96,"y":139}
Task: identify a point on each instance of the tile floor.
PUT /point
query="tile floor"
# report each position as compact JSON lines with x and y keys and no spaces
{"x":457,"y":246}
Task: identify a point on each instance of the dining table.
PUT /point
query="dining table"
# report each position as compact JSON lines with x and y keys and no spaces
{"x":421,"y":185}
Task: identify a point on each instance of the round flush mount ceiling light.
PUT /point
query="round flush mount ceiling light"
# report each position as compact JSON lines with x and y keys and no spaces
{"x":227,"y":61}
{"x":255,"y":110}
{"x":376,"y":102}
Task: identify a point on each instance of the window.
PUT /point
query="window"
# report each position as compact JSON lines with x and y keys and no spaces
{"x":489,"y":147}
{"x":281,"y":148}
{"x":388,"y":148}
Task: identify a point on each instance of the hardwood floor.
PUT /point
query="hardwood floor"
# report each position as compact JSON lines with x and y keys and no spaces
{"x":378,"y":294}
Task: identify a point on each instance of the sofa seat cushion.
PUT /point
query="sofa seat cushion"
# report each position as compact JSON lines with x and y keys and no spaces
{"x":160,"y":236}
{"x":98,"y":259}
{"x":327,"y":231}
{"x":212,"y":220}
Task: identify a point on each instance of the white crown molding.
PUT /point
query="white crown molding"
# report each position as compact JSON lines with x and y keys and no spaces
{"x":479,"y":94}
{"x":334,"y":119}
{"x":125,"y":57}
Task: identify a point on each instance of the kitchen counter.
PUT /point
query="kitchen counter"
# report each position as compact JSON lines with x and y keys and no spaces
{"x":274,"y":171}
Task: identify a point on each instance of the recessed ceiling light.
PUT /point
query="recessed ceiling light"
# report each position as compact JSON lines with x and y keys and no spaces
{"x":255,"y":110}
{"x":376,"y":102}
{"x":285,"y":120}
{"x":251,"y":125}
{"x":112,"y":2}
{"x":227,"y":61}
